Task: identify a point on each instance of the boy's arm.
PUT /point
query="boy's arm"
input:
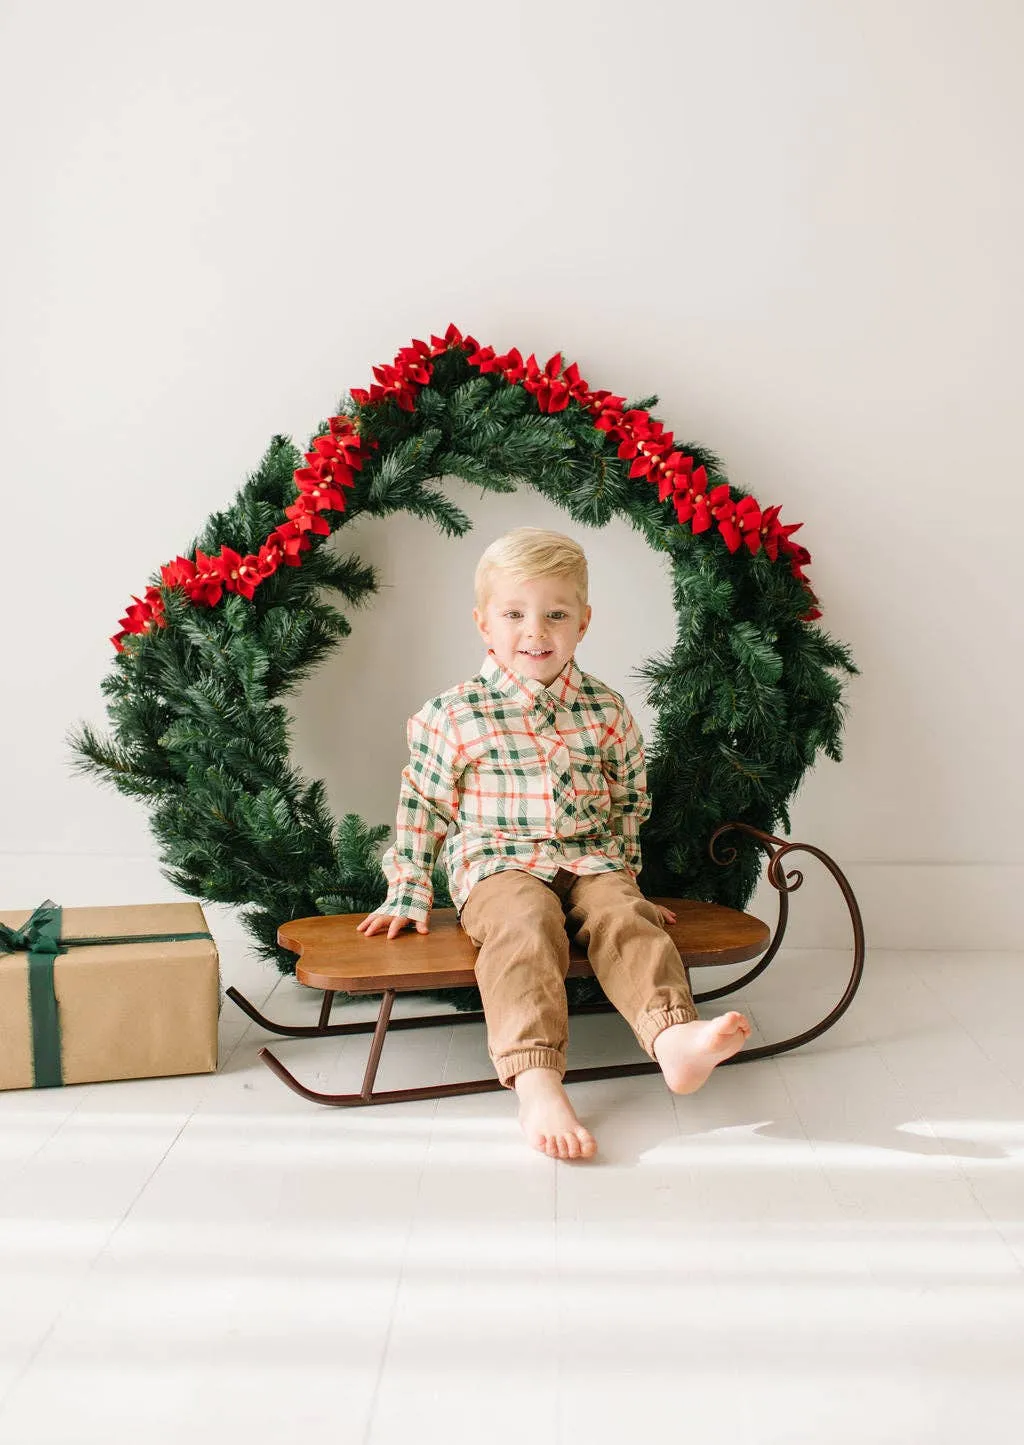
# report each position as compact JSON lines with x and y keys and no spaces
{"x":626,"y":772}
{"x":427,"y":803}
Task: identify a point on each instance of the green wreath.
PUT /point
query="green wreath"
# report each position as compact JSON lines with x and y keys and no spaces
{"x":744,"y":701}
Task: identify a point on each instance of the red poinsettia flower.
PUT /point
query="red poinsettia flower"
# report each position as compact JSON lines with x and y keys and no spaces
{"x":178,"y":572}
{"x":290,"y":539}
{"x":250,"y":575}
{"x":324,"y":476}
{"x":511,"y":365}
{"x":628,"y":428}
{"x":394,"y":383}
{"x":305,"y":514}
{"x":644,"y":440}
{"x":144,"y":614}
{"x":774,"y":534}
{"x":239,"y":573}
{"x":691,"y":502}
{"x":649,"y":456}
{"x":673,"y":473}
{"x":551,"y":393}
{"x":738,"y":521}
{"x":579,"y":389}
{"x":414,"y":362}
{"x":452,"y":337}
{"x":268,"y":559}
{"x":352,"y":448}
{"x":606,"y":410}
{"x":333,"y":457}
{"x":484,"y":358}
{"x":207,"y":586}
{"x":317,"y":483}
{"x":639,"y":434}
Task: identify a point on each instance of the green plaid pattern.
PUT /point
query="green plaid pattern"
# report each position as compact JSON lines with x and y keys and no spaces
{"x":507,"y":773}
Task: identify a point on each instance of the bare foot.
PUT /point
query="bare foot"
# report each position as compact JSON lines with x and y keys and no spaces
{"x":548,"y":1119}
{"x":688,"y":1052}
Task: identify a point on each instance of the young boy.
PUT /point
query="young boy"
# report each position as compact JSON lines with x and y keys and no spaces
{"x":540,"y":769}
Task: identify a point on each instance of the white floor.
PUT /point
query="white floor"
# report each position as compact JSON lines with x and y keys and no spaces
{"x":823,"y":1247}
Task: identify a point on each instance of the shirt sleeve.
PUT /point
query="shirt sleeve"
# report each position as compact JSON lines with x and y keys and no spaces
{"x":428,"y":802}
{"x":626,"y":772}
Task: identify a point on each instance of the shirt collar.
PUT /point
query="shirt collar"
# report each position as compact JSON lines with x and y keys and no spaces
{"x":529,"y":691}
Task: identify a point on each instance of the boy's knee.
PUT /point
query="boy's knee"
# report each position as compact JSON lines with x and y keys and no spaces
{"x":511,"y":903}
{"x":533,"y":919}
{"x":611,"y":907}
{"x":629,"y":910}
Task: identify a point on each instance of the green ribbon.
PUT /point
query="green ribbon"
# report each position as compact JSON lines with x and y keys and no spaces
{"x":40,"y":939}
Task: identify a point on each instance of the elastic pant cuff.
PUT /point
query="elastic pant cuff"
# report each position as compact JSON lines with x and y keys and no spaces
{"x":512,"y":1064}
{"x":649,"y":1026}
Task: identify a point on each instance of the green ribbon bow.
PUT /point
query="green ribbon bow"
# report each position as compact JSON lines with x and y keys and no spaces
{"x":41,"y":939}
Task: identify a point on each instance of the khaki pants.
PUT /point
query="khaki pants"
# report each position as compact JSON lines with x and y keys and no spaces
{"x":522,"y":926}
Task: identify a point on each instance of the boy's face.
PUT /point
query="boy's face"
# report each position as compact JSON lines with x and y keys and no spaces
{"x":533,"y":627}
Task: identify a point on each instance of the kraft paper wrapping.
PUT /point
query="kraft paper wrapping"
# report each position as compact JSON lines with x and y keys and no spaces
{"x":127,"y":1010}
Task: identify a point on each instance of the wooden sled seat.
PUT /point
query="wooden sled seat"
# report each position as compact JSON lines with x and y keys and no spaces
{"x":338,"y":960}
{"x":335,"y":957}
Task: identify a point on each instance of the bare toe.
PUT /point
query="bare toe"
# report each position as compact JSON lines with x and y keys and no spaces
{"x":548,"y":1119}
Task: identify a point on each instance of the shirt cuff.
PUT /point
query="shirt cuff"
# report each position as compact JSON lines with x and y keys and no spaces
{"x":407,"y":902}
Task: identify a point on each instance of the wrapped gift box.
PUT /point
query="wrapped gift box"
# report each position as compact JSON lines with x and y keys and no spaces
{"x":110,"y":1009}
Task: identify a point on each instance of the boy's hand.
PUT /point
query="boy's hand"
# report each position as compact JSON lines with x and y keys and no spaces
{"x":374,"y":922}
{"x":667,"y":916}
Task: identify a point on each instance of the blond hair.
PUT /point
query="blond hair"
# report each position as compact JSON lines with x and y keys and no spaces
{"x":529,"y":552}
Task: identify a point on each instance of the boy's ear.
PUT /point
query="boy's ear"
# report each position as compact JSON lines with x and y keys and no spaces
{"x":586,"y":622}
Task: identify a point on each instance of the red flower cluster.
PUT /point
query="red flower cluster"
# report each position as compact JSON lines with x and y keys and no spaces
{"x":332,"y":465}
{"x":552,"y":388}
{"x":412,"y":368}
{"x":642,"y":441}
{"x":650,"y":450}
{"x":144,"y":613}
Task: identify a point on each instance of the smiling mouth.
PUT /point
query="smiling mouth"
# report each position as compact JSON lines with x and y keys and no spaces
{"x":537,"y":656}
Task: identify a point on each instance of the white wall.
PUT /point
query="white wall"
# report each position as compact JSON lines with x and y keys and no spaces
{"x":799,"y":223}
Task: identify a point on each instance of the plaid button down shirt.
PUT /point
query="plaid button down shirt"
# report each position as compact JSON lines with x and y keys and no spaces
{"x":530,"y":777}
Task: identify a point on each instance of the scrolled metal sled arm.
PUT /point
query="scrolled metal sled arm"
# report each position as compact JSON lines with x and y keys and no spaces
{"x":784,"y":884}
